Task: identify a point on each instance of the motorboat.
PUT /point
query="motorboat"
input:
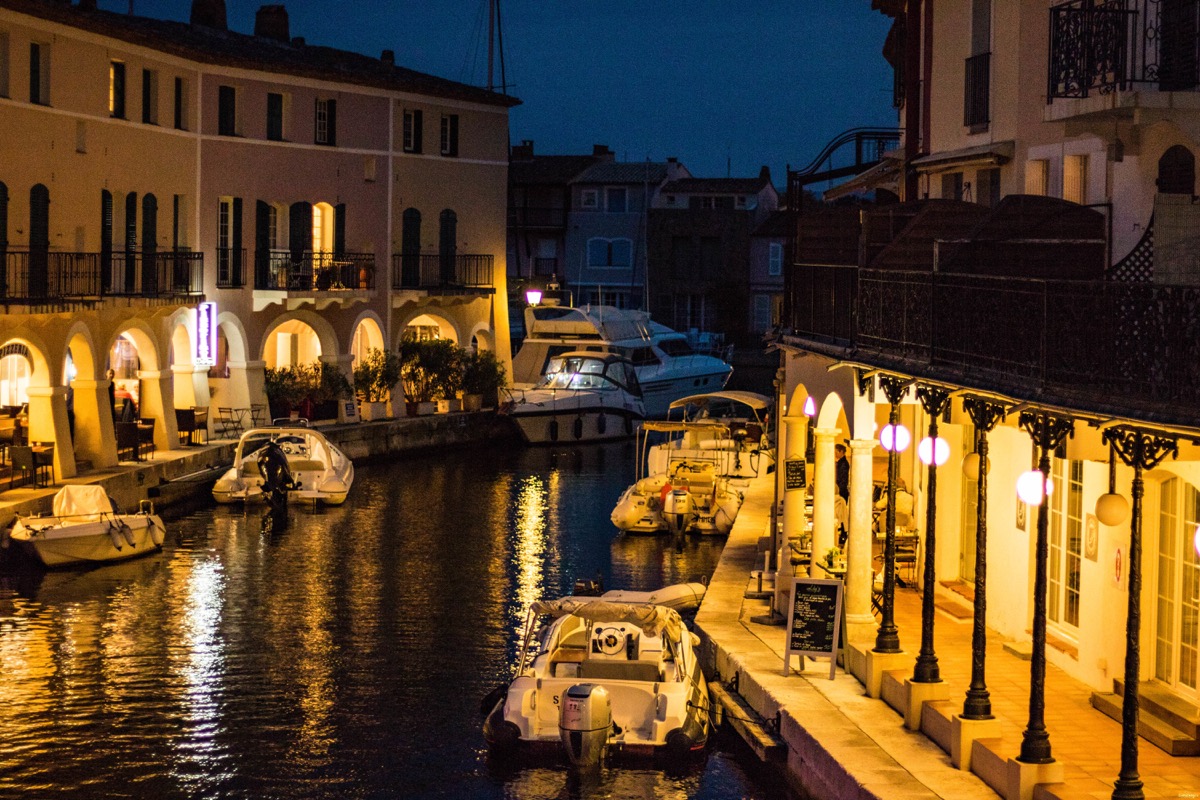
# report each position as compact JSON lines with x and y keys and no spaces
{"x":667,"y":366}
{"x":85,"y":527}
{"x":726,"y":428}
{"x":319,"y":471}
{"x":595,"y":676}
{"x":583,"y":397}
{"x":689,"y":497}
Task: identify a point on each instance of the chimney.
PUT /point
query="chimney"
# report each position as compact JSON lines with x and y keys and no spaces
{"x":764,"y":174}
{"x":388,"y":57}
{"x":522,"y":151}
{"x":209,"y":13}
{"x":672,"y":160}
{"x":602,"y":152}
{"x":271,"y":22}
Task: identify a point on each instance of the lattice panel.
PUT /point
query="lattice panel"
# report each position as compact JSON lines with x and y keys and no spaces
{"x":1138,"y":266}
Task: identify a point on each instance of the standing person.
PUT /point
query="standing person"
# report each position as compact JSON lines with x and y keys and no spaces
{"x":841,"y":466}
{"x":112,"y":392}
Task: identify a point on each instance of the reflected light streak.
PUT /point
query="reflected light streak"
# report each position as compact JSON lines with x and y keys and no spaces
{"x":530,"y":550}
{"x":201,"y":667}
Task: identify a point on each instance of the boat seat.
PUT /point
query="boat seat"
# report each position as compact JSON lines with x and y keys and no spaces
{"x":596,"y":669}
{"x":306,"y":465}
{"x":565,"y":661}
{"x":250,"y":469}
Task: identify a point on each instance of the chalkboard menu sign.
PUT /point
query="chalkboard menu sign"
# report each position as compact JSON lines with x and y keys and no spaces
{"x":814,"y":621}
{"x":795,"y":478}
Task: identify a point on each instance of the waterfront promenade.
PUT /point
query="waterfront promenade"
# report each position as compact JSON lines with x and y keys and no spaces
{"x":843,"y":744}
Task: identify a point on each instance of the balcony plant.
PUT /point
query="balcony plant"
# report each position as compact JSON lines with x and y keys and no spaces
{"x":374,"y":379}
{"x":482,"y":379}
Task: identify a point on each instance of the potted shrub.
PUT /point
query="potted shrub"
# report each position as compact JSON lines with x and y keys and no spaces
{"x":286,"y":389}
{"x":429,"y":371}
{"x":374,"y":379}
{"x":327,"y":386}
{"x":482,"y":379}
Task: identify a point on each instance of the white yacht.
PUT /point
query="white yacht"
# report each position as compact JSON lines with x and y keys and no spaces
{"x":319,"y":470}
{"x":85,"y":528}
{"x":667,"y":367}
{"x":619,"y":672}
{"x":726,"y":428}
{"x":583,"y":397}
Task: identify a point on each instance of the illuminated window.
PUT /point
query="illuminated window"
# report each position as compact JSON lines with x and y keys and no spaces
{"x":116,"y":89}
{"x":14,"y":380}
{"x":1066,"y":543}
{"x":1075,"y":176}
{"x":1177,"y":585}
{"x":1037,"y":176}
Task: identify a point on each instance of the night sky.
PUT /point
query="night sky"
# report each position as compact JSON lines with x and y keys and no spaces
{"x":725,"y":86}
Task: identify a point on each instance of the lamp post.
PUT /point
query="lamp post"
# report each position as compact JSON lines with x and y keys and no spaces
{"x":933,"y":451}
{"x":1048,"y":431}
{"x":978,"y":703}
{"x":894,"y":438}
{"x":1140,"y":450}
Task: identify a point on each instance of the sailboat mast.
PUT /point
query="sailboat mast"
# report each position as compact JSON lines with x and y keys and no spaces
{"x":491,"y":39}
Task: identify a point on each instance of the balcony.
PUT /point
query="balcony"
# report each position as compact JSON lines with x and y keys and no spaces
{"x":443,"y":273}
{"x":319,"y":278}
{"x":50,"y":277}
{"x":231,"y":268}
{"x":1094,"y":345}
{"x":1101,"y":50}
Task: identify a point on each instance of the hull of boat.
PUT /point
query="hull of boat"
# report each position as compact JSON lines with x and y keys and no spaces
{"x":326,"y":480}
{"x":659,"y":392}
{"x":117,"y":539}
{"x":640,"y":509}
{"x":575,"y":426}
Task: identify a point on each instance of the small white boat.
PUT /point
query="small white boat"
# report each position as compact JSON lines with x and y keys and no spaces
{"x":320,"y":471}
{"x":690,"y":497}
{"x":85,"y":528}
{"x":667,"y":367}
{"x":606,"y":674}
{"x":726,"y":428}
{"x":583,"y":397}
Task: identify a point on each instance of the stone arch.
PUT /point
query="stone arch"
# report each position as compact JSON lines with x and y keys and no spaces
{"x":482,"y":338}
{"x":237,"y":381}
{"x":46,"y":397}
{"x":89,"y":401}
{"x":190,"y":382}
{"x":1177,"y":171}
{"x":326,"y":337}
{"x":367,"y":333}
{"x":428,"y":320}
{"x":831,"y":413}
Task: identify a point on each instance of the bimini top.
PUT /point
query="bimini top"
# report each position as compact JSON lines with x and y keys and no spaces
{"x":752,"y":399}
{"x":652,"y":619}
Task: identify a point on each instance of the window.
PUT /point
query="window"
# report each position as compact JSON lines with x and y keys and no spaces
{"x":116,"y":90}
{"x":977,"y":71}
{"x":370,"y":167}
{"x":589,"y":198}
{"x":326,"y":122}
{"x":762,"y":313}
{"x":412,"y":130}
{"x":180,"y":105}
{"x":3,"y":64}
{"x":275,"y":116}
{"x":616,"y":199}
{"x":1037,"y":176}
{"x":1075,"y":179}
{"x":39,"y":73}
{"x":615,"y":253}
{"x":987,"y":185}
{"x":1066,"y":543}
{"x":149,"y":97}
{"x":80,"y":136}
{"x":952,"y":186}
{"x":449,"y":134}
{"x":227,"y":116}
{"x":1177,"y":607}
{"x":775,"y":265}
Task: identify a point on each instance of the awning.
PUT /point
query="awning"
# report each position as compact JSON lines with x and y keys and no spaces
{"x":992,"y":154}
{"x":882,"y":175}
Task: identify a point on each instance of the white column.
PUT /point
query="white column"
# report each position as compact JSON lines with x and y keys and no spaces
{"x":95,"y":438}
{"x":824,"y":490}
{"x":157,"y":401}
{"x":860,"y":571}
{"x":796,"y":426}
{"x":48,"y":423}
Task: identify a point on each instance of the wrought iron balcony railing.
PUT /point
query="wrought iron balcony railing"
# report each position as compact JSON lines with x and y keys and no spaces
{"x":278,"y":270}
{"x":977,"y":90}
{"x":1104,"y":345}
{"x":231,"y":267}
{"x":443,"y":273}
{"x":1101,"y":46}
{"x":38,"y":277}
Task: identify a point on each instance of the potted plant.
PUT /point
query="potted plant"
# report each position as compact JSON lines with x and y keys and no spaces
{"x":285,"y":388}
{"x":374,"y":379}
{"x":482,"y":379}
{"x":429,"y":372}
{"x":327,"y":386}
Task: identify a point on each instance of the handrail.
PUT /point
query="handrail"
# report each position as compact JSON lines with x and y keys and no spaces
{"x":851,"y":135}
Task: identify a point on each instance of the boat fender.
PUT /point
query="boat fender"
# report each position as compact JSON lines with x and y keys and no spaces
{"x":682,"y":741}
{"x":554,"y":430}
{"x":114,"y":533}
{"x":601,"y":424}
{"x":493,"y":697}
{"x":579,"y":427}
{"x":500,"y":733}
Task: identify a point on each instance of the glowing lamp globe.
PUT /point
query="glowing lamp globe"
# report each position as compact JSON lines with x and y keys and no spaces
{"x":810,"y":407}
{"x":1112,"y":509}
{"x":970,"y":466}
{"x":533,"y":296}
{"x":894,"y":438}
{"x":933,"y":451}
{"x":1196,"y":539}
{"x":1029,"y":487}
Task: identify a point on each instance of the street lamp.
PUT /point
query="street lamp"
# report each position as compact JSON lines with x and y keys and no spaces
{"x":1111,"y":508}
{"x":1029,"y":487}
{"x":895,"y":438}
{"x":933,"y":451}
{"x":533,"y":296}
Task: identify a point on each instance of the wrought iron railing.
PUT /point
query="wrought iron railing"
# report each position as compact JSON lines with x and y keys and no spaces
{"x":977,"y":90}
{"x":278,"y":270}
{"x":1100,"y":46}
{"x":231,"y":267}
{"x":47,"y":276}
{"x":1087,"y":344}
{"x":443,"y":273}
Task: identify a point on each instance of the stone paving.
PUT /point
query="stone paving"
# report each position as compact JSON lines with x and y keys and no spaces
{"x":844,"y":744}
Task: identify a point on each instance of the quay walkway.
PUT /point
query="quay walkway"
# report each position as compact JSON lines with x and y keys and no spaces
{"x":840,"y":743}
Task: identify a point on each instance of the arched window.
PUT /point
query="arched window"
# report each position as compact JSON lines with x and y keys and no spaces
{"x":1177,"y":171}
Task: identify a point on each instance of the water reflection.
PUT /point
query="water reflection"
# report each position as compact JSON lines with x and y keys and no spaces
{"x":343,"y":656}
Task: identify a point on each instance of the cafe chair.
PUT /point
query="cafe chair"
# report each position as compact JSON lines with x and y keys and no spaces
{"x":22,"y":464}
{"x":228,"y":425}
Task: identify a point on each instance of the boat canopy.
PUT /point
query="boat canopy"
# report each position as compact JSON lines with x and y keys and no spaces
{"x":86,"y":503}
{"x":651,"y":619}
{"x":715,"y":427}
{"x":752,"y":399}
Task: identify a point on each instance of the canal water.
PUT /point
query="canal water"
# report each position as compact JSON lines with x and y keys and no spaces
{"x":344,"y":657}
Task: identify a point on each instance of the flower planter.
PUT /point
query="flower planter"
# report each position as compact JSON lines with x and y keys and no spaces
{"x":424,"y":409}
{"x":448,"y":406}
{"x":472,"y":402}
{"x":372,"y":410}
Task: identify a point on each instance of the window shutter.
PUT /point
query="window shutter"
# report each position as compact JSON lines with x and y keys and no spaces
{"x":453,"y":135}
{"x":150,"y":282}
{"x":299,"y":230}
{"x":262,"y":244}
{"x":418,"y":130}
{"x":236,"y":245}
{"x":331,"y":138}
{"x":106,"y":239}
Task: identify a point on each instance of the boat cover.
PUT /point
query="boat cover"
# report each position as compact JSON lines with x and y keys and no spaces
{"x":752,"y":399}
{"x":82,"y":503}
{"x":650,"y":618}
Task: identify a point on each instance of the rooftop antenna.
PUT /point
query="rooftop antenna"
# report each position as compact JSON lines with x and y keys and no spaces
{"x":495,"y":42}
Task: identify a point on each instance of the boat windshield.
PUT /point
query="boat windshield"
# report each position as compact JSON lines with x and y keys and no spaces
{"x":575,"y":373}
{"x":675,"y":346}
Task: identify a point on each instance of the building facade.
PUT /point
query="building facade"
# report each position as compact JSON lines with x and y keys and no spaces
{"x":325,"y":202}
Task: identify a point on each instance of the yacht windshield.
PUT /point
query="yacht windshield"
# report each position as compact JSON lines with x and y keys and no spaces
{"x":676,"y":347}
{"x":575,"y":373}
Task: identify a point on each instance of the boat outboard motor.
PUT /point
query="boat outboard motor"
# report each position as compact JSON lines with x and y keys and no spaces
{"x":584,"y":722}
{"x":677,"y":510}
{"x":277,"y":480}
